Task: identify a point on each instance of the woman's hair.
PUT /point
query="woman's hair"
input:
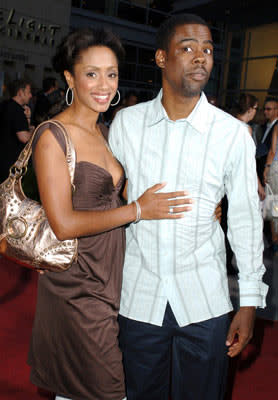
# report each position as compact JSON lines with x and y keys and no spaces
{"x":71,"y":47}
{"x":245,"y":102}
{"x":167,"y":28}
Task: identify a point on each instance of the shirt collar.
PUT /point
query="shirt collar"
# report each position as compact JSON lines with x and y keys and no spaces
{"x":197,"y":118}
{"x":270,"y":124}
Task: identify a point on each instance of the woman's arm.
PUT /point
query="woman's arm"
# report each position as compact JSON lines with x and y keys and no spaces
{"x":56,"y":196}
{"x":272,"y":151}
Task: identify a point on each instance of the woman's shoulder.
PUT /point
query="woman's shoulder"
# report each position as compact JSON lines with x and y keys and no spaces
{"x":54,"y":127}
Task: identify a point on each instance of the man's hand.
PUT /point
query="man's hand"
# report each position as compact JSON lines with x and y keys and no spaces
{"x":241,"y":330}
{"x":27,"y":111}
{"x":218,"y":212}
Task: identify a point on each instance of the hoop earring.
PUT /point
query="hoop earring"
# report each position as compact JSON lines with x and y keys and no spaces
{"x":69,"y":90}
{"x":117,"y":102}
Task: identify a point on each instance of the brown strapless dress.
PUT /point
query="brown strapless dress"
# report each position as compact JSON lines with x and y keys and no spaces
{"x":74,"y":349}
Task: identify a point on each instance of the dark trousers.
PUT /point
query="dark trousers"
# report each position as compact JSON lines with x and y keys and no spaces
{"x":188,"y":363}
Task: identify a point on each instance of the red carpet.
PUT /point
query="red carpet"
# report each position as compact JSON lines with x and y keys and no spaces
{"x":17,"y":306}
{"x":253,"y":376}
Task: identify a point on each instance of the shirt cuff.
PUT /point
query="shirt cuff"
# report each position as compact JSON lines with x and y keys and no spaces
{"x":253,"y":294}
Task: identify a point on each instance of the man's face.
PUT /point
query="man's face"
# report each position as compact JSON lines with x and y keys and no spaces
{"x":270,"y":110}
{"x":25,"y":94}
{"x":189,"y":60}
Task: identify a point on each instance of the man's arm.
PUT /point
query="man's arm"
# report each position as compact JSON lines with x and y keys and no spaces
{"x":245,"y":236}
{"x":22,"y":125}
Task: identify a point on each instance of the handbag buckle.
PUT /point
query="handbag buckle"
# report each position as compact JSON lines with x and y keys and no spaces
{"x":18,"y":233}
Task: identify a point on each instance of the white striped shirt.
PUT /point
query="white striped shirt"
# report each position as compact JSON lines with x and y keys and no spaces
{"x":210,"y":153}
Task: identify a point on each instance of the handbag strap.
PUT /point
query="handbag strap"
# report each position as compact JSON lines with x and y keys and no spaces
{"x":20,"y":166}
{"x":268,"y":189}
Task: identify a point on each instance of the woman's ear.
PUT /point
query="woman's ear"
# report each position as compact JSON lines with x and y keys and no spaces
{"x":69,"y":78}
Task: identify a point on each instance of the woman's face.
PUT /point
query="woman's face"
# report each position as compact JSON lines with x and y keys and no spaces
{"x":95,"y":78}
{"x":252,"y":112}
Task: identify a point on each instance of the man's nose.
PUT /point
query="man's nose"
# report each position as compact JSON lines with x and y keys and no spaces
{"x":199,"y":57}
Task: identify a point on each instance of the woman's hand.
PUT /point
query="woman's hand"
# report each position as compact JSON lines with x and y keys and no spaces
{"x":163,"y":205}
{"x":266,"y":171}
{"x":261,"y":192}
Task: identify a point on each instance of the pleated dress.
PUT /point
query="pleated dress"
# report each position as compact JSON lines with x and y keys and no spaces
{"x":74,"y":348}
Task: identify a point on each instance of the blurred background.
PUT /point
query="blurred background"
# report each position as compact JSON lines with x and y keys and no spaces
{"x":244,"y":32}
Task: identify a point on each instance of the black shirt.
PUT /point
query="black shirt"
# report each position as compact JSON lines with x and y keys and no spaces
{"x":12,"y":120}
{"x":42,"y":108}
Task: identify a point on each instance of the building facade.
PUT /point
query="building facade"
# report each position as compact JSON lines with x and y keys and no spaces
{"x":136,"y":22}
{"x":29,"y":33}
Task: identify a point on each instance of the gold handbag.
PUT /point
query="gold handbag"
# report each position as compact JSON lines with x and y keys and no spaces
{"x":25,"y":234}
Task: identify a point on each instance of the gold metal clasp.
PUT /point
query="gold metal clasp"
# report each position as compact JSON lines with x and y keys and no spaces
{"x":18,"y":231}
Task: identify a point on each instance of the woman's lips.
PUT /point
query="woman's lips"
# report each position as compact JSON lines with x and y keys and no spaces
{"x":101,"y":98}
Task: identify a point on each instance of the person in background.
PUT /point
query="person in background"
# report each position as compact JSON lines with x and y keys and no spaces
{"x":58,"y":103}
{"x":271,"y":177}
{"x":245,"y":110}
{"x":175,"y":331}
{"x":263,"y":147}
{"x":16,"y":128}
{"x":44,"y":103}
{"x":212,"y":100}
{"x":74,"y":349}
{"x":131,"y":98}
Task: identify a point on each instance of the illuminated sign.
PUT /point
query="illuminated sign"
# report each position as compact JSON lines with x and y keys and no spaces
{"x":24,"y":28}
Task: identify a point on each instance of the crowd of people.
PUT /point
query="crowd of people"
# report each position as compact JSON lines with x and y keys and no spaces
{"x":265,"y":139}
{"x":144,"y":312}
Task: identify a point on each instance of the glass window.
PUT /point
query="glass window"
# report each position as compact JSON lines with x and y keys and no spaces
{"x":130,"y":53}
{"x":156,"y":18}
{"x":216,"y":36}
{"x":162,"y":5}
{"x":146,"y":74}
{"x":132,"y":13}
{"x":146,"y":56}
{"x":76,"y":3}
{"x":128,"y":72}
{"x":95,"y":5}
{"x":237,"y":40}
{"x":143,"y":3}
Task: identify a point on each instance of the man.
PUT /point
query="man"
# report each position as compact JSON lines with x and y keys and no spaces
{"x":15,"y":125}
{"x":271,"y":115}
{"x":44,"y":100}
{"x":175,"y":300}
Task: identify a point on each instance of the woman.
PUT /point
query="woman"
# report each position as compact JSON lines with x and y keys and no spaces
{"x":74,"y":348}
{"x":245,"y":110}
{"x":271,"y":177}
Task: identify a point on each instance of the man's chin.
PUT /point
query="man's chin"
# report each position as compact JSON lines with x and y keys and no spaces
{"x":193,"y":90}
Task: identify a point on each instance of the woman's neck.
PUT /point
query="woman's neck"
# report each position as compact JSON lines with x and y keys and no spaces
{"x":82,"y":116}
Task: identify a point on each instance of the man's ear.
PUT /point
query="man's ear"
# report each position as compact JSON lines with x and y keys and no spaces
{"x":20,"y":92}
{"x":160,"y":57}
{"x":69,"y":78}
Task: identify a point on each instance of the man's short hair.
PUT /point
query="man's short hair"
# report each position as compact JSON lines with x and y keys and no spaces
{"x":16,"y":85}
{"x":48,"y":83}
{"x":273,"y":99}
{"x":167,"y":28}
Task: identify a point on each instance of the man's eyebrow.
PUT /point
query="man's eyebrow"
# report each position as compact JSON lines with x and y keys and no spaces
{"x":195,"y":40}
